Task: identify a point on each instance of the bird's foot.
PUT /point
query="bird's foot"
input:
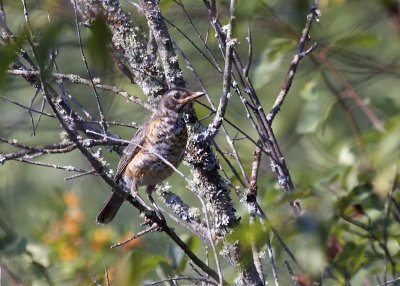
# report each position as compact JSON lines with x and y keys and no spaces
{"x":154,"y":217}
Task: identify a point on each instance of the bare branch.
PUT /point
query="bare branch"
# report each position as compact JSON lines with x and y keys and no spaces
{"x":204,"y":41}
{"x":80,"y":175}
{"x":102,"y":118}
{"x":172,"y":72}
{"x":26,"y":15}
{"x":212,"y":129}
{"x":250,"y":53}
{"x":48,"y":149}
{"x":54,"y":166}
{"x":255,"y":251}
{"x":136,"y":235}
{"x":287,"y":83}
{"x":272,"y":261}
{"x":77,"y":79}
{"x":390,"y":282}
{"x":183,"y":278}
{"x":291,"y":273}
{"x":254,"y":170}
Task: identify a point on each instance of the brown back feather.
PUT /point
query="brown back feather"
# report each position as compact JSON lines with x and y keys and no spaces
{"x":131,"y":150}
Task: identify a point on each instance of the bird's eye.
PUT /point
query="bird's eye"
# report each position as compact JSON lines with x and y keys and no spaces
{"x":176,"y":95}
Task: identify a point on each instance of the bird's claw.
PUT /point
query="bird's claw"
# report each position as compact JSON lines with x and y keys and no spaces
{"x":154,"y":217}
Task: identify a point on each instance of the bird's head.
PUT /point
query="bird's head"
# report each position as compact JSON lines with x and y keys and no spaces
{"x":177,"y":99}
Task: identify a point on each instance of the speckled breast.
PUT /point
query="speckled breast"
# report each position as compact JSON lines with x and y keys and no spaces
{"x":166,"y":138}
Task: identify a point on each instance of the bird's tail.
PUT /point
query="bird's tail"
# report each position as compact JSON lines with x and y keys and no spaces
{"x":110,"y":208}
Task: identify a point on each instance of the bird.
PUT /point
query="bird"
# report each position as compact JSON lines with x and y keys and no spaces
{"x":164,"y":136}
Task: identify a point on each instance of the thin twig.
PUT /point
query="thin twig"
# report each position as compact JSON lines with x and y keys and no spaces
{"x":205,"y":210}
{"x":80,"y":175}
{"x":390,"y":282}
{"x":204,"y":41}
{"x":77,"y":79}
{"x":368,"y":229}
{"x":254,"y":170}
{"x":291,"y":273}
{"x":250,"y":52}
{"x":267,"y":225}
{"x":192,"y":256}
{"x":48,"y":149}
{"x":254,"y":249}
{"x":30,"y":113}
{"x":26,"y":16}
{"x":155,"y":21}
{"x":230,"y":166}
{"x":103,"y":123}
{"x":287,"y":83}
{"x":136,"y":235}
{"x":182,"y":278}
{"x":27,"y":108}
{"x":105,"y":272}
{"x":212,"y":129}
{"x":272,"y":261}
{"x":192,"y":43}
{"x":40,"y":114}
{"x":65,"y":168}
{"x":267,"y":134}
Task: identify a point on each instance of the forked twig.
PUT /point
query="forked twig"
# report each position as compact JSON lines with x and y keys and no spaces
{"x":136,"y":235}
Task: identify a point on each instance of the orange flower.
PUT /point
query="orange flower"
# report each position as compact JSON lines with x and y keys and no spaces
{"x":72,"y":228}
{"x":71,"y":221}
{"x":73,"y":215}
{"x":101,"y":236}
{"x":71,"y":199}
{"x":67,"y":253}
{"x":53,"y":233}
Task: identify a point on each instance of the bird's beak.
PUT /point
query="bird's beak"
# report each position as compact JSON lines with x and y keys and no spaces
{"x":192,"y":96}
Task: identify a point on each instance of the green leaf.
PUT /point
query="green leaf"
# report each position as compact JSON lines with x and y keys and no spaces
{"x":352,"y":257}
{"x":174,"y":255}
{"x":359,"y":39}
{"x":270,"y":60}
{"x":247,"y":9}
{"x":316,"y":109}
{"x":166,"y":269}
{"x":310,"y":90}
{"x":12,"y":245}
{"x":279,"y":48}
{"x":165,"y":5}
{"x":8,"y":55}
{"x":140,"y":264}
{"x":47,"y":42}
{"x":98,"y":43}
{"x":193,"y":243}
{"x":150,"y":263}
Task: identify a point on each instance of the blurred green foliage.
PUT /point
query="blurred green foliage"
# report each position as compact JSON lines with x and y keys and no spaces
{"x":345,"y":175}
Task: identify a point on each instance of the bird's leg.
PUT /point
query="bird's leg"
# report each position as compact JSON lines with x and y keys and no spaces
{"x":149,"y":190}
{"x":136,"y":196}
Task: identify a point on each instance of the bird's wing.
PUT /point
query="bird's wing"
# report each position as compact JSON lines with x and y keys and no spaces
{"x":131,"y":150}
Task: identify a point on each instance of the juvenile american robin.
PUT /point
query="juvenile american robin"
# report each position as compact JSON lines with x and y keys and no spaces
{"x":165,"y":136}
